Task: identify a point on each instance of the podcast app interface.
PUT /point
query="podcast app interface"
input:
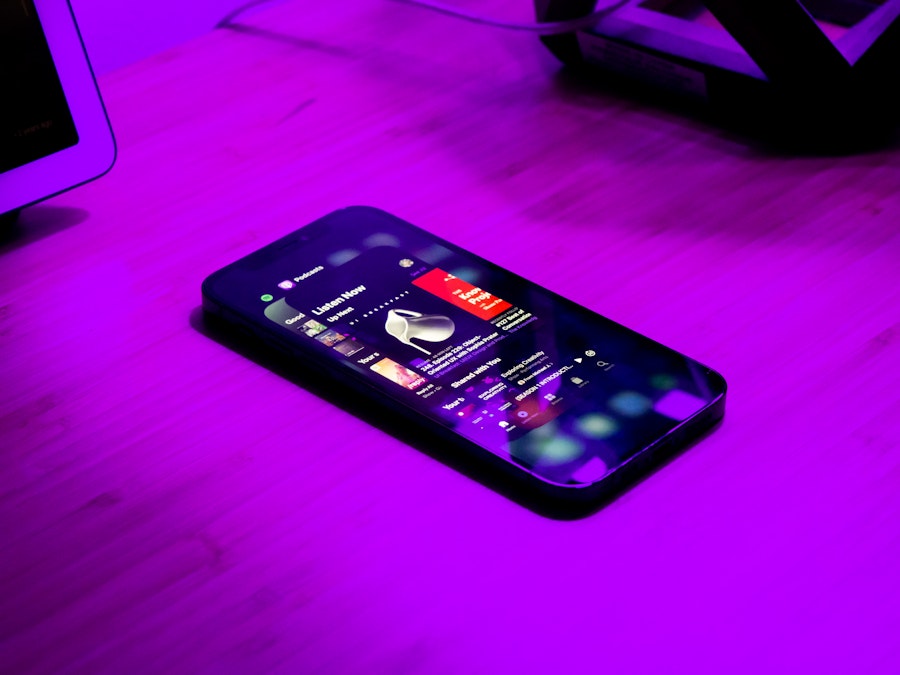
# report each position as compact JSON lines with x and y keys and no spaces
{"x":430,"y":336}
{"x":499,"y":370}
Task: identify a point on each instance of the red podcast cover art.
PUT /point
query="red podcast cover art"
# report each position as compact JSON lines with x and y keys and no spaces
{"x":462,"y":294}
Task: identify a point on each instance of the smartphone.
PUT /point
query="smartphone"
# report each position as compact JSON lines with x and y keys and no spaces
{"x":567,"y":404}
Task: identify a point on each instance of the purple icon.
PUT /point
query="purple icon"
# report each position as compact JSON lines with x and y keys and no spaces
{"x":286,"y":284}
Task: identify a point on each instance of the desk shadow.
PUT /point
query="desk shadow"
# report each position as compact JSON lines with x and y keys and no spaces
{"x":482,"y":467}
{"x":35,"y":223}
{"x":586,"y":86}
{"x":286,"y":38}
{"x":756,"y":130}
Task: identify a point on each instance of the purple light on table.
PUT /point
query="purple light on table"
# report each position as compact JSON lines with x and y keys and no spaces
{"x":174,"y":506}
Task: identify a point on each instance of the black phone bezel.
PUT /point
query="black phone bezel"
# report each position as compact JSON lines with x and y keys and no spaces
{"x":544,"y":496}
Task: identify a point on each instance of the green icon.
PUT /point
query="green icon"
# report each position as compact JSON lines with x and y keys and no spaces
{"x":266,"y":297}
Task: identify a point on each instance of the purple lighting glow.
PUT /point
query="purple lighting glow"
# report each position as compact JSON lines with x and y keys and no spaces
{"x":168,"y":505}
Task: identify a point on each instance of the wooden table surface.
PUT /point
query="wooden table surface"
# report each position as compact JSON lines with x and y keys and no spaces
{"x":167,"y":505}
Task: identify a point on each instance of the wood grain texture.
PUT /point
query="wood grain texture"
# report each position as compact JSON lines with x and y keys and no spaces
{"x":167,"y":505}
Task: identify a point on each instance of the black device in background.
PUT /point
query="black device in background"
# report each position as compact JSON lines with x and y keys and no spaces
{"x":560,"y":403}
{"x":810,"y":74}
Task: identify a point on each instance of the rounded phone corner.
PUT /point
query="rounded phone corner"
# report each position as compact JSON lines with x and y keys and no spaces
{"x":722,"y":383}
{"x":365,"y":212}
{"x":363,"y":209}
{"x":206,"y":288}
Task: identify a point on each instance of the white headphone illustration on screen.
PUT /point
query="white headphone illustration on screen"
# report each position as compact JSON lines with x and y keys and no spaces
{"x":405,"y":325}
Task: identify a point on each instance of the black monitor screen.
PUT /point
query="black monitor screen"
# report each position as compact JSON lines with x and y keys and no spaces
{"x":35,"y":120}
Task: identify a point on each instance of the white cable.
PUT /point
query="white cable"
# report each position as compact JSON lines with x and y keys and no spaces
{"x":226,"y":20}
{"x":540,"y":28}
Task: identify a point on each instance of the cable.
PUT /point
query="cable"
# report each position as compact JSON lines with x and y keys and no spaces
{"x":227,"y":20}
{"x":545,"y":28}
{"x":542,"y":28}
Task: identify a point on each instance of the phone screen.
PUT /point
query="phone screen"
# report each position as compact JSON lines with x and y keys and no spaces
{"x":546,"y":384}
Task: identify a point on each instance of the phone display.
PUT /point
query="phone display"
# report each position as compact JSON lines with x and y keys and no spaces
{"x":557,"y":392}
